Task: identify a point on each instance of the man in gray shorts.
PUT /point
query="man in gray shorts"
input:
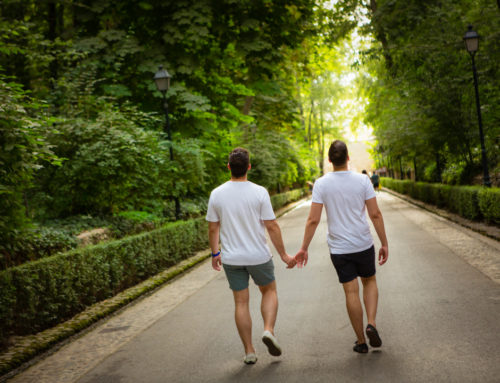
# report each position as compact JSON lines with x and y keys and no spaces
{"x":239,"y":211}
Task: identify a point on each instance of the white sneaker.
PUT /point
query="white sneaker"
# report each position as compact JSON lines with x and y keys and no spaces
{"x":250,"y":358}
{"x":272,"y":344}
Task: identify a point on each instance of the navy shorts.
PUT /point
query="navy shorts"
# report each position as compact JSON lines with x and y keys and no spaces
{"x":353,"y":265}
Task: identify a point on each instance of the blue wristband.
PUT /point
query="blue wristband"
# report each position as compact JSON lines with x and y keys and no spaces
{"x":215,"y":255}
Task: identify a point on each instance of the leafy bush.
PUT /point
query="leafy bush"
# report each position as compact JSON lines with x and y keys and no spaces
{"x":134,"y":222}
{"x":23,"y":149}
{"x":463,"y":201}
{"x":110,"y":165}
{"x":423,"y":192}
{"x":191,"y":208}
{"x":489,"y":203}
{"x":471,"y":202}
{"x":34,"y":244}
{"x":56,"y":236}
{"x":443,"y":195}
{"x":279,"y":200}
{"x":40,"y":294}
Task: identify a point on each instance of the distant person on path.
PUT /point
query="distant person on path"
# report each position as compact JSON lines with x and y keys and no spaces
{"x":375,"y":180}
{"x":346,"y":196}
{"x":240,"y":211}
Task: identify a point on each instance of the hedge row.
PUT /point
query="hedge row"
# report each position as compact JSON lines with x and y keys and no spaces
{"x":282,"y":199}
{"x":40,"y":294}
{"x":471,"y":202}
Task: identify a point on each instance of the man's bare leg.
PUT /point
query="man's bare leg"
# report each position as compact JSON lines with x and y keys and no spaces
{"x":370,"y":297}
{"x":269,"y":305}
{"x":354,"y":308}
{"x":243,"y":319}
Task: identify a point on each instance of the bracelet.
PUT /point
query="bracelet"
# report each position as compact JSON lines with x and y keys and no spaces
{"x":216,"y":255}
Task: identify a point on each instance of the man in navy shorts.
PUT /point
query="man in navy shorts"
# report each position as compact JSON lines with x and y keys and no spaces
{"x":346,"y":197}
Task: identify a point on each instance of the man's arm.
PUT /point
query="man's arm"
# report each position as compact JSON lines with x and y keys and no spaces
{"x":213,"y":239}
{"x":378,"y":222}
{"x":312,"y":223}
{"x":275,"y":234}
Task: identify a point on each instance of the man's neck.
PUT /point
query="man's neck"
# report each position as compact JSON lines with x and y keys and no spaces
{"x":342,"y":168}
{"x":240,"y":179}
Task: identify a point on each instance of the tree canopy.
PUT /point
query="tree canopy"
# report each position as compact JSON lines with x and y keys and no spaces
{"x":82,"y":126}
{"x":83,"y":131}
{"x":420,"y":88}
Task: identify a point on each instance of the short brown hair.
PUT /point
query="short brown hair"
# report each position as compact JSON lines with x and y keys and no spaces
{"x":239,"y":159}
{"x":338,"y":153}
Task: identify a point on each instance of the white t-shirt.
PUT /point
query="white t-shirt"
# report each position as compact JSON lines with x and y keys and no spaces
{"x":241,"y":208}
{"x":343,"y":194}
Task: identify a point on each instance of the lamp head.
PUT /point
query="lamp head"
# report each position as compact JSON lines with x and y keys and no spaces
{"x":162,"y":79}
{"x":471,"y":40}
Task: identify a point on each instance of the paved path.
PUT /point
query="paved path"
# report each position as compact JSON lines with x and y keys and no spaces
{"x":438,"y":315}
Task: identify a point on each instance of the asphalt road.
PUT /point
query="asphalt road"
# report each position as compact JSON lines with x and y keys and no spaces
{"x":438,"y":317}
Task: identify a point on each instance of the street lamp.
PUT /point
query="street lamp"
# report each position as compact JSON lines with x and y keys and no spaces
{"x":471,"y":40}
{"x":162,"y":81}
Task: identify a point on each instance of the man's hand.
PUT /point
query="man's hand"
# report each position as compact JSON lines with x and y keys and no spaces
{"x":301,"y":257}
{"x":383,"y":254}
{"x":216,"y":263}
{"x":290,"y":262}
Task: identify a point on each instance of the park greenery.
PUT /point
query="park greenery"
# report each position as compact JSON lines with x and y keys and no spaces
{"x":470,"y":202}
{"x":83,"y":143}
{"x":418,"y":81}
{"x":82,"y":124}
{"x":82,"y":129}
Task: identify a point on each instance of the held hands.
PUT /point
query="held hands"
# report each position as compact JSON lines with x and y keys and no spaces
{"x":301,"y":257}
{"x":290,"y":261}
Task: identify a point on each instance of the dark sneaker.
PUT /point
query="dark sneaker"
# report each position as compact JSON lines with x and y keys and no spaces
{"x":362,"y":348}
{"x":272,"y":344}
{"x":372,"y":334}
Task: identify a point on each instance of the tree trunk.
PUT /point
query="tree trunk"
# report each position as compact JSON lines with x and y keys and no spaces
{"x":438,"y":168}
{"x":309,"y":133}
{"x":321,"y":141}
{"x":380,"y":35}
{"x":415,"y":167}
{"x":248,"y":105}
{"x":301,"y":108}
{"x":52,"y":34}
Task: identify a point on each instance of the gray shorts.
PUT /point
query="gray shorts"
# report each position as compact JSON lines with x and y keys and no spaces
{"x":237,"y":276}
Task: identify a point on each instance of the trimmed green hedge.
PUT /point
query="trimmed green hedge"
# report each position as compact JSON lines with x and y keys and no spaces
{"x":489,"y":204}
{"x":279,"y":200}
{"x":471,"y":202}
{"x":40,"y":294}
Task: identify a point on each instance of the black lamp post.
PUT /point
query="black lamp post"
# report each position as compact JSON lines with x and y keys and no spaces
{"x":162,"y":81}
{"x":471,"y":40}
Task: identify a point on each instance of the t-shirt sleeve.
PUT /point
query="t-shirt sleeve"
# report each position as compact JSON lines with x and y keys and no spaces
{"x":212,"y":215}
{"x":316,"y":193}
{"x":369,"y":191}
{"x":266,"y":208}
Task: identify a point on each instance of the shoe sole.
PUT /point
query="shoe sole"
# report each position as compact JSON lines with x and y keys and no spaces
{"x":373,"y":336}
{"x":271,"y":347}
{"x":360,"y":350}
